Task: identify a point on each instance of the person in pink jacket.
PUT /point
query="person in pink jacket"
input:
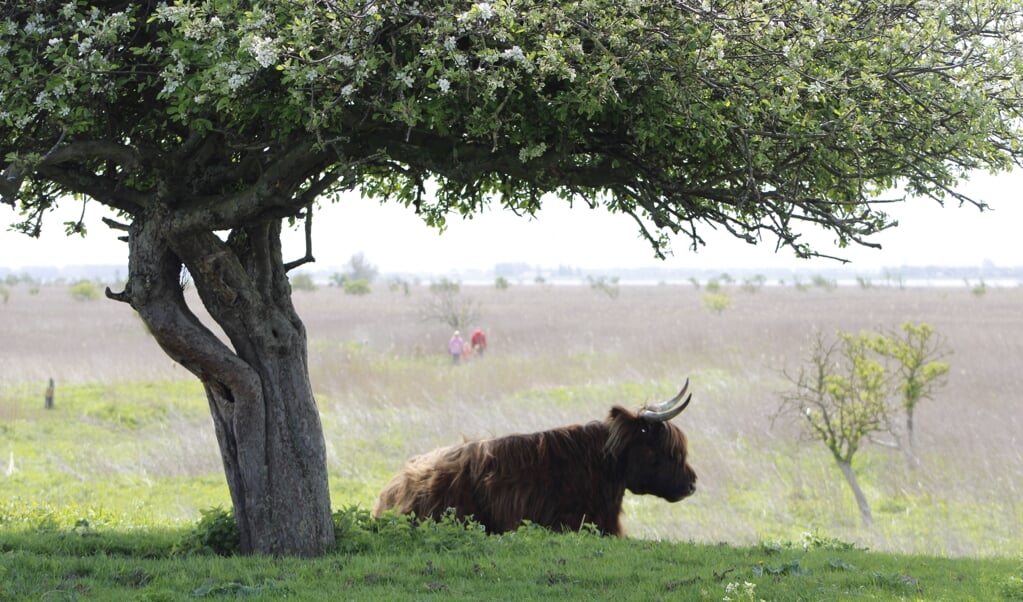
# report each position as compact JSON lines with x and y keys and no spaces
{"x":455,"y":347}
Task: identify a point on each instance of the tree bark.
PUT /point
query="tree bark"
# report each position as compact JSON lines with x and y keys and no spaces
{"x":267,"y":423}
{"x":854,"y":484}
{"x":910,"y":439}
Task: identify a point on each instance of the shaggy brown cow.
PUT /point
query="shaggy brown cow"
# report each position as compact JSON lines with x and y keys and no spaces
{"x":560,"y":479}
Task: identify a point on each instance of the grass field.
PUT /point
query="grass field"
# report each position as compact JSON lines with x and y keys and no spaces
{"x":130,"y":441}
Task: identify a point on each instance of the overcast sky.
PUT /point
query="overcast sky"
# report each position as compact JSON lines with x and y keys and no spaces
{"x":395,"y":240}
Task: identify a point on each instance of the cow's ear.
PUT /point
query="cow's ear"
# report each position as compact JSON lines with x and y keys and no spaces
{"x":618,"y":412}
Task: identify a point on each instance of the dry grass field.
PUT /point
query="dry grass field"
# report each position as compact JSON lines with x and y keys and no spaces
{"x":565,"y":354}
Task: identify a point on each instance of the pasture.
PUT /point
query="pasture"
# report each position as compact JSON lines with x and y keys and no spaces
{"x":129,"y":441}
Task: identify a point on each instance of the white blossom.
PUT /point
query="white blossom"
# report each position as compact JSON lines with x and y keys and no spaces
{"x":36,"y":24}
{"x":532,"y":152}
{"x":68,"y":10}
{"x":347,"y":90}
{"x":480,"y":10}
{"x":263,"y":50}
{"x":514,"y":54}
{"x":236,"y":81}
{"x":450,"y":43}
{"x":405,"y":79}
{"x":444,"y":84}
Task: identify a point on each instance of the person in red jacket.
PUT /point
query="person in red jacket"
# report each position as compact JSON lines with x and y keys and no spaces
{"x":478,"y":342}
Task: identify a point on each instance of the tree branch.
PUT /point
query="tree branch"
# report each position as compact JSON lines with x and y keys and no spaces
{"x":308,"y":257}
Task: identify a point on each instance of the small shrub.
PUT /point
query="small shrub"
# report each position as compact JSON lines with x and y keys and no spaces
{"x":1013,"y":588}
{"x":824,"y":282}
{"x":608,"y":286}
{"x":501,"y":283}
{"x":302,"y":282}
{"x":356,"y":287}
{"x":399,"y":284}
{"x":717,"y":302}
{"x":445,"y":286}
{"x":5,"y":293}
{"x":754,"y":284}
{"x":815,"y":540}
{"x":84,"y":290}
{"x":713,"y":285}
{"x":216,"y":533}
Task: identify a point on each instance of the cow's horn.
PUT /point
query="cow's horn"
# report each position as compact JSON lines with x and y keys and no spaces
{"x":663,"y":412}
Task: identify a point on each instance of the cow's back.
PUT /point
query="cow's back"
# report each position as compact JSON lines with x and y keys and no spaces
{"x":430,"y":484}
{"x":551,"y":478}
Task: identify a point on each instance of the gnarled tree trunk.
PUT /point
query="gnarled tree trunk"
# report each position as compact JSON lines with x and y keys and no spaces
{"x":263,"y":409}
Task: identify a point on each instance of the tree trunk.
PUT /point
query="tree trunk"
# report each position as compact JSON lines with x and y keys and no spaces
{"x":911,"y":458}
{"x":265,"y":416}
{"x":861,"y":500}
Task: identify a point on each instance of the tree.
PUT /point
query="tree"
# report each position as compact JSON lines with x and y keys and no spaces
{"x":192,"y":119}
{"x":853,"y":385}
{"x":918,"y":353}
{"x":842,"y":399}
{"x":447,"y":305}
{"x":359,"y":268}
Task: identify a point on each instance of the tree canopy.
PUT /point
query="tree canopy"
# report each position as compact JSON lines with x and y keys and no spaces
{"x":756,"y":116}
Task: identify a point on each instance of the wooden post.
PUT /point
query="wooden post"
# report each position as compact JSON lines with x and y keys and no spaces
{"x":49,"y":396}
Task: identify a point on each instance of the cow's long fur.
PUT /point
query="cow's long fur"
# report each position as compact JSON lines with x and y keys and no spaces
{"x":561,"y":479}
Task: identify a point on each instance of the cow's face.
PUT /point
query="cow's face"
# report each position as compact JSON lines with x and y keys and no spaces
{"x":652,"y":456}
{"x":656,"y":463}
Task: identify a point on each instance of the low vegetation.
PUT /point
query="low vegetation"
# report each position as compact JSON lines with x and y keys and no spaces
{"x":302,"y":282}
{"x":393,"y":558}
{"x":84,"y":290}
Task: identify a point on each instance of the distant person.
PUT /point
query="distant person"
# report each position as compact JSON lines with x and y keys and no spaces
{"x":478,"y":342}
{"x":455,"y":347}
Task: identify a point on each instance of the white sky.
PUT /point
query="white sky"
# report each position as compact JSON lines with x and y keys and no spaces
{"x":396,"y":240}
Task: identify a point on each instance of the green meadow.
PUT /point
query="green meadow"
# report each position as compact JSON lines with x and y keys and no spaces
{"x":105,"y":495}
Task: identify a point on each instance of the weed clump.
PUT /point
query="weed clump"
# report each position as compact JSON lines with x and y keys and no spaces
{"x":215,"y":534}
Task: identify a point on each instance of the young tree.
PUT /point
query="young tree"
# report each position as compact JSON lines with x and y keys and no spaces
{"x":842,"y":399}
{"x":447,"y":305}
{"x":191,"y":119}
{"x":917,"y":353}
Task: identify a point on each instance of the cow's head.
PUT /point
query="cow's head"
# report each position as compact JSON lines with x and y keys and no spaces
{"x":651,"y":452}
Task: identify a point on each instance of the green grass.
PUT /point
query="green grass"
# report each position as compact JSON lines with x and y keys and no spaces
{"x":392,"y":559}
